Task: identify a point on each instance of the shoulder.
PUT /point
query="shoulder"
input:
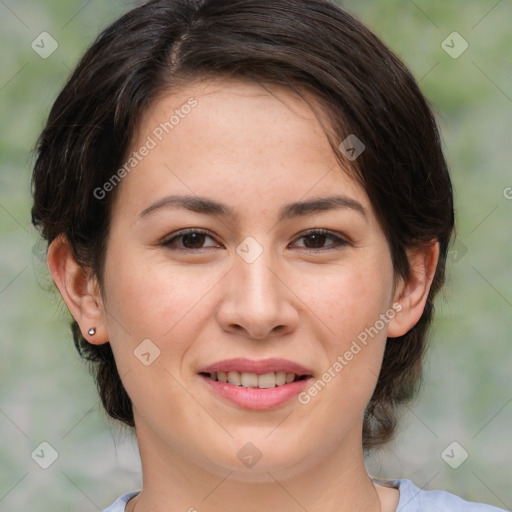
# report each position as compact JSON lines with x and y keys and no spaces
{"x":120,"y":504}
{"x":414,"y":499}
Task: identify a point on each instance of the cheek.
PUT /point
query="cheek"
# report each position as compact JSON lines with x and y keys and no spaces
{"x":351,"y":300}
{"x":167,"y":304}
{"x":148,"y":298}
{"x":350,"y":303}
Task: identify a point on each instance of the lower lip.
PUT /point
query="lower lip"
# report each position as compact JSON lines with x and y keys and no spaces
{"x":255,"y":398}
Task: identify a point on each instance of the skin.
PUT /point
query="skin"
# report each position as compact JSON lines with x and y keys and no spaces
{"x":254,"y":149}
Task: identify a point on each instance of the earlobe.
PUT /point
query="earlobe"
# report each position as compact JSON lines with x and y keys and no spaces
{"x":412,"y":293}
{"x":79,"y":290}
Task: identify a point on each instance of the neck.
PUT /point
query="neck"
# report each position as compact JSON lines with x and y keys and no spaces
{"x":334,"y":481}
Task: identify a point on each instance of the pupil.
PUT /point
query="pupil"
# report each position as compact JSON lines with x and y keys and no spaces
{"x":196,"y":240}
{"x":318,"y":240}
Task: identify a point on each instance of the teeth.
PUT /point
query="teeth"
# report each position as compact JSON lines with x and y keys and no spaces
{"x":249,"y":380}
{"x":281,"y":378}
{"x":253,"y":380}
{"x":234,"y":378}
{"x":266,"y":380}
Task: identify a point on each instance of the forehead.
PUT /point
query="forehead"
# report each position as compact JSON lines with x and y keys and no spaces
{"x":217,"y":137}
{"x":228,"y":111}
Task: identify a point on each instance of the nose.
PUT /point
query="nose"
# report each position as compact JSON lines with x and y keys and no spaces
{"x":257,"y":302}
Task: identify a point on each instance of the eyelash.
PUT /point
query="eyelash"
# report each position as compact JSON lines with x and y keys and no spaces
{"x":338,"y":241}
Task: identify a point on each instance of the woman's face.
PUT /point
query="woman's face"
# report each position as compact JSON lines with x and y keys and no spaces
{"x":245,"y":172}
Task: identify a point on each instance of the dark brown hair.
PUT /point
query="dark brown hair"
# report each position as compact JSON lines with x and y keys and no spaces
{"x":305,"y":45}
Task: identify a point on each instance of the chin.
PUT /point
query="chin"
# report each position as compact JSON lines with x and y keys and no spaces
{"x":254,"y":465}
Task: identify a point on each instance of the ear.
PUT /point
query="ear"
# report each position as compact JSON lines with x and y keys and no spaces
{"x":79,"y":290}
{"x":412,"y":294}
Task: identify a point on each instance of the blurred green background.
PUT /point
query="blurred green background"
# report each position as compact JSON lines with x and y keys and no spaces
{"x":46,"y":393}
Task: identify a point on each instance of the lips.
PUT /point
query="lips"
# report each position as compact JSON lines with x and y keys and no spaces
{"x":256,"y":384}
{"x":259,"y":367}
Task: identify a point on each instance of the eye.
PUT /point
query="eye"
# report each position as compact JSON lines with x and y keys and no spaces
{"x":316,"y":238}
{"x":195,"y":239}
{"x":189,"y":240}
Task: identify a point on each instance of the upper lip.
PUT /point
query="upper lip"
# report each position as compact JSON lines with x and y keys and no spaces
{"x":242,"y":364}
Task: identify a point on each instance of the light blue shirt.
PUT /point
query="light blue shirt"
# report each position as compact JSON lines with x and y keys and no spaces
{"x":412,"y":499}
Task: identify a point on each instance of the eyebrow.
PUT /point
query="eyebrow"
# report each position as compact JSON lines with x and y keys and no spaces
{"x":208,"y":206}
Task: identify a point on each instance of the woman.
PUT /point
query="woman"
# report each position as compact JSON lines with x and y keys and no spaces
{"x":189,"y":170}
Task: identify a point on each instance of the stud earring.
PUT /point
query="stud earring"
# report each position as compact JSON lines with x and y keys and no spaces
{"x":91,"y":331}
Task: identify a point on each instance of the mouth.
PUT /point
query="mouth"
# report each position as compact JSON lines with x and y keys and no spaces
{"x":257,"y":385}
{"x":253,"y":380}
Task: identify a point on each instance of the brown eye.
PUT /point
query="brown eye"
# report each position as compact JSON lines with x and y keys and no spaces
{"x":193,"y":240}
{"x":189,"y":240}
{"x":316,"y":240}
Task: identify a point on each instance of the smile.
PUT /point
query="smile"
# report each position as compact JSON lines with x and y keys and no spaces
{"x":253,"y":380}
{"x":248,"y":392}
